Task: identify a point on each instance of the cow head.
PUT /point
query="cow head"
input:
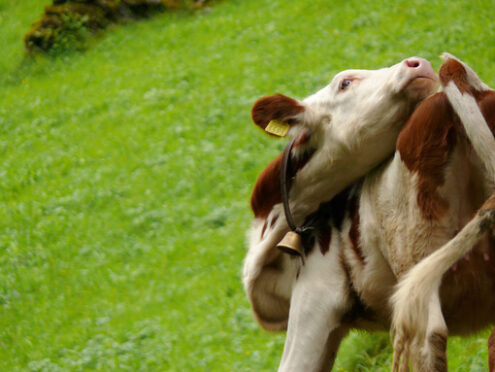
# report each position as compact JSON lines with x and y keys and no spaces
{"x":357,"y":106}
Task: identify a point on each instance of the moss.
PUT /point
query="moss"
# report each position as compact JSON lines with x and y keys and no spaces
{"x":66,"y":23}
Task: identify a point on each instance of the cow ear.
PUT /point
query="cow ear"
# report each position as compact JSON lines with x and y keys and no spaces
{"x":276,"y":114}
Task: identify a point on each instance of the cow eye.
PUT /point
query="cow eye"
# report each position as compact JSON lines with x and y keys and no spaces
{"x":345,"y":83}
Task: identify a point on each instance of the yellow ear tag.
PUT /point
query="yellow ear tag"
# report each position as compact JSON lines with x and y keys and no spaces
{"x":277,"y":128}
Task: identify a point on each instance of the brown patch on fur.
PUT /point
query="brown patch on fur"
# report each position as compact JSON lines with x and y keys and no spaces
{"x":438,"y":343}
{"x":263,"y":229}
{"x":425,"y":144}
{"x":340,"y":204}
{"x":276,"y":107}
{"x":324,"y":239}
{"x":354,"y":232}
{"x":331,"y":214}
{"x":452,"y":70}
{"x":466,"y":292}
{"x":345,"y":267}
{"x":274,"y":219}
{"x":302,"y":139}
{"x":486,"y":101}
{"x":358,"y":310}
{"x":491,"y":351}
{"x":266,"y":192}
{"x":321,"y":222}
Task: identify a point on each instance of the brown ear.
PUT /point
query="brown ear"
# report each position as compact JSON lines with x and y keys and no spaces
{"x":277,"y":107}
{"x":452,"y":69}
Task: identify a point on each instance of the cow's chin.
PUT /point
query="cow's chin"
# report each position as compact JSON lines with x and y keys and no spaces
{"x":421,"y":87}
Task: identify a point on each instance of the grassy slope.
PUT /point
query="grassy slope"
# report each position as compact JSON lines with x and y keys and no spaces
{"x":126,"y":173}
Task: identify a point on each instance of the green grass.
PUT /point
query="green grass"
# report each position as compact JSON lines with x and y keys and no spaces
{"x":126,"y":172}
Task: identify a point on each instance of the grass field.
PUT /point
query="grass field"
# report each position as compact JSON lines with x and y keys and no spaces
{"x":126,"y":171}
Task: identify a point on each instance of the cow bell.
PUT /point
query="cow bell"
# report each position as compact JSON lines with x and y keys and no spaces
{"x":291,"y":244}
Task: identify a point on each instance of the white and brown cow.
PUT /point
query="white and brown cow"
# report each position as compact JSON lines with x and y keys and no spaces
{"x":368,"y":238}
{"x":342,"y":132}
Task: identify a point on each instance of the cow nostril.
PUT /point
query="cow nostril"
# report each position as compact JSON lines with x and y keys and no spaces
{"x":413,"y":63}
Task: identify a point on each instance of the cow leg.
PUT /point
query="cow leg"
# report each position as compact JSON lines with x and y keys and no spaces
{"x":491,"y":351}
{"x":319,"y":301}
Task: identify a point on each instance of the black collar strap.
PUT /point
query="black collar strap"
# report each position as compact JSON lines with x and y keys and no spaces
{"x":284,"y":181}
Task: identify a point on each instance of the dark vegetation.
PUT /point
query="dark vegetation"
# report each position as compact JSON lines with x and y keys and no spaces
{"x":65,"y":25}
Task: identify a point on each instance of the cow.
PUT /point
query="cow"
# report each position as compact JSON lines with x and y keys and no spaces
{"x":340,"y":133}
{"x":386,"y":253}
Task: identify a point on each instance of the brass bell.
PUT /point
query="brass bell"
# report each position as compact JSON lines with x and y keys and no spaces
{"x":291,"y":244}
